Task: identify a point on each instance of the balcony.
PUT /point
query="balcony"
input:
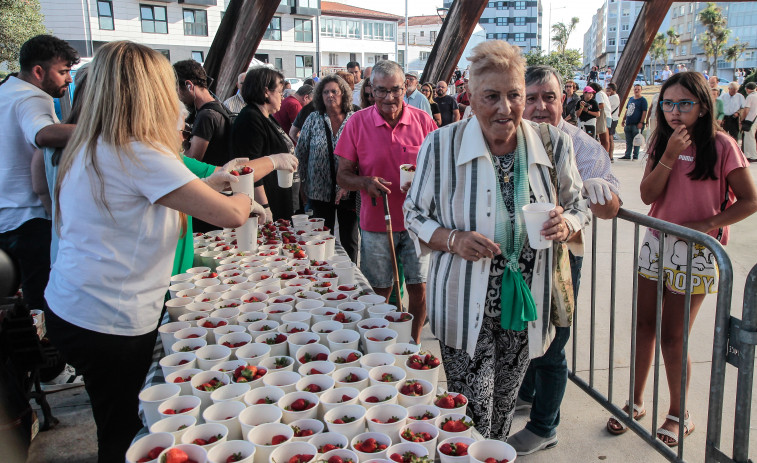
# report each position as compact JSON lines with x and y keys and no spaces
{"x":416,"y":39}
{"x":199,"y":2}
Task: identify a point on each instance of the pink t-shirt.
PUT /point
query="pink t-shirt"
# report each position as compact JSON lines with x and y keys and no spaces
{"x":379,"y":150}
{"x":686,"y":200}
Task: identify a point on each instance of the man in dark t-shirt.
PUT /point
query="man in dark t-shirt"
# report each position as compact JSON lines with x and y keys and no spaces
{"x":447,"y":105}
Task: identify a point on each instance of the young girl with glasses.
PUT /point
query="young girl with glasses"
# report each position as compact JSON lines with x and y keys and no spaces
{"x":695,"y":176}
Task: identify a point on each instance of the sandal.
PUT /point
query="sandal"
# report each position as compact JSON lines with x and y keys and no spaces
{"x":617,"y":428}
{"x":673,"y":436}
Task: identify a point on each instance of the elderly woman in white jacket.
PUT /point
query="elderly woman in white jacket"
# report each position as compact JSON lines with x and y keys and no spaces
{"x":488,"y":292}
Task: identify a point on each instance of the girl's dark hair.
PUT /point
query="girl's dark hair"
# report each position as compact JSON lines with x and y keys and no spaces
{"x":343,"y":87}
{"x":257,"y":81}
{"x":364,"y":103}
{"x":597,"y":88}
{"x":703,"y":133}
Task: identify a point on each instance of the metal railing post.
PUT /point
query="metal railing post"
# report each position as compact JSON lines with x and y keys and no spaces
{"x":745,"y":377}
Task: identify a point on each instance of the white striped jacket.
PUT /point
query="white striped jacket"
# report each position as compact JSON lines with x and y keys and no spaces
{"x":454,"y":187}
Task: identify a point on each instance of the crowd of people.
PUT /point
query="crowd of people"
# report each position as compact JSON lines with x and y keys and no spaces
{"x":145,"y":155}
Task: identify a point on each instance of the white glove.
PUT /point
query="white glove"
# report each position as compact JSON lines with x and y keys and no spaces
{"x":256,"y":208}
{"x":598,"y":190}
{"x":221,"y":178}
{"x":284,"y":161}
{"x":268,"y":214}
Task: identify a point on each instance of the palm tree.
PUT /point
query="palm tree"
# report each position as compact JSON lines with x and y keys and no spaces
{"x":562,"y":33}
{"x":715,"y":35}
{"x":658,"y":52}
{"x":734,"y":52}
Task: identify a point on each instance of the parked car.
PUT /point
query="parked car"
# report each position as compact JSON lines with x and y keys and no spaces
{"x":580,"y":81}
{"x":296,"y":82}
{"x":640,"y":80}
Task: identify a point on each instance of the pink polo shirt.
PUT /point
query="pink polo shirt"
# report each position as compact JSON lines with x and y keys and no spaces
{"x":379,"y":150}
{"x":686,"y":200}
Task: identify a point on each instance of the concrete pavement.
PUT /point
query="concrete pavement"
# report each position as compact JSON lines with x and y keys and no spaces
{"x":582,"y":434}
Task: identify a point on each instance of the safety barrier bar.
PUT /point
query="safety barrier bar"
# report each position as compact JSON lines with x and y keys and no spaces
{"x":723,"y":328}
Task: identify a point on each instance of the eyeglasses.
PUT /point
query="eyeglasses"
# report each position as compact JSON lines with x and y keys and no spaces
{"x":683,"y":106}
{"x":382,"y":92}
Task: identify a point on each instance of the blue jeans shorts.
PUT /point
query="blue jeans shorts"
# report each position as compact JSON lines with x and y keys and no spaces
{"x":376,"y":260}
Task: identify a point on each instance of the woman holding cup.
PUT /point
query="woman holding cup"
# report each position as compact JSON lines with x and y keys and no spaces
{"x":466,"y":208}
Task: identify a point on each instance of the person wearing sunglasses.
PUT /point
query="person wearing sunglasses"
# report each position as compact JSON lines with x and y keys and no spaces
{"x":428,"y":91}
{"x":695,"y":176}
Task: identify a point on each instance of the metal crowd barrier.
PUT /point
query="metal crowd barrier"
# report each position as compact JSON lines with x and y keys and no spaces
{"x":733,"y":343}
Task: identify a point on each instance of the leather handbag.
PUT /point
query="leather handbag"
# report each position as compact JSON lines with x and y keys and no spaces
{"x":563,"y":302}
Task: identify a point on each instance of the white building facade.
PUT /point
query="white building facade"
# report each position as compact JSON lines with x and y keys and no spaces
{"x":422,"y":32}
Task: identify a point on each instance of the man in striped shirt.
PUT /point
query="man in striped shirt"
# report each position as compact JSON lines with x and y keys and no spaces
{"x":547,"y":376}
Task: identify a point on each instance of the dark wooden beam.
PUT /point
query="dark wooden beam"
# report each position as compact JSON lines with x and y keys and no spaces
{"x":453,"y":37}
{"x":638,"y":44}
{"x":239,"y":35}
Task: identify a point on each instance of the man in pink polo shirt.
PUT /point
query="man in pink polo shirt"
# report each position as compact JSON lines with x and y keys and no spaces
{"x":373,"y":145}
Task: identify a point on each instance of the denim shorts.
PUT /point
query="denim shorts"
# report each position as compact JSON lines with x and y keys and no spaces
{"x":376,"y":260}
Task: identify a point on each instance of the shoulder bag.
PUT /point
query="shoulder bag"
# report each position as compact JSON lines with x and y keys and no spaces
{"x":563,"y":301}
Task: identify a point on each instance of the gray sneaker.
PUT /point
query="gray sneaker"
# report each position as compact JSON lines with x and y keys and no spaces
{"x":65,"y":380}
{"x":525,"y":442}
{"x":521,"y":405}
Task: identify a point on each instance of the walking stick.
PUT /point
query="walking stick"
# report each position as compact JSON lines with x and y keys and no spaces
{"x":388,"y":220}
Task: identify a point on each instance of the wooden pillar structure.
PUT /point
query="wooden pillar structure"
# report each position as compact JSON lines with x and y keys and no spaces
{"x":235,"y":42}
{"x":638,"y":44}
{"x":453,"y":37}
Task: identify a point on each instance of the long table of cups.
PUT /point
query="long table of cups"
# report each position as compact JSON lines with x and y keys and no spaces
{"x":275,"y":358}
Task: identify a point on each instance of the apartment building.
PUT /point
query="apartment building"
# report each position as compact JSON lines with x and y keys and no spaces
{"x":606,"y":39}
{"x":291,"y":41}
{"x":516,"y":22}
{"x":349,"y":33}
{"x":420,"y":37}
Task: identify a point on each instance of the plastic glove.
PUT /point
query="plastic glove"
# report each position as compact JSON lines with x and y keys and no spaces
{"x":220,"y":180}
{"x":268,"y":214}
{"x":257,"y":209}
{"x":284,"y":161}
{"x":598,"y":190}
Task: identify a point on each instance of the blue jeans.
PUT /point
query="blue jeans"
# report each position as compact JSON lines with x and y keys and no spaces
{"x":631,"y":130}
{"x":547,"y":376}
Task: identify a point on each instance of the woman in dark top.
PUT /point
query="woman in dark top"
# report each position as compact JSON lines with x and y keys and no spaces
{"x":428,"y":91}
{"x":366,"y":94}
{"x":256,"y":133}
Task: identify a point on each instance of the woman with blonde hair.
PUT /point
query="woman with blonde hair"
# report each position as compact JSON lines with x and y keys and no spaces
{"x":122,"y":196}
{"x":428,"y":91}
{"x":488,"y":290}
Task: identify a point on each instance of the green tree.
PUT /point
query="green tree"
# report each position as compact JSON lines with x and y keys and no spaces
{"x":20,"y":20}
{"x":734,"y":52}
{"x":658,"y":52}
{"x":562,"y":33}
{"x":716,"y":34}
{"x":565,"y":63}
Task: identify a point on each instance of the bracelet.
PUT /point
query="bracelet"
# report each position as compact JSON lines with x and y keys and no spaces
{"x":451,"y":240}
{"x":664,"y":165}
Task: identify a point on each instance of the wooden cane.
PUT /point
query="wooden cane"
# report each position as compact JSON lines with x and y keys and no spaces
{"x":388,"y":220}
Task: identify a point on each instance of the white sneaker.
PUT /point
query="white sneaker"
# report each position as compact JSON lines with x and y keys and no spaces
{"x":65,"y":380}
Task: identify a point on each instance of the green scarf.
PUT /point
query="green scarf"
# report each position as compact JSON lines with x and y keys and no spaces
{"x":518,"y":306}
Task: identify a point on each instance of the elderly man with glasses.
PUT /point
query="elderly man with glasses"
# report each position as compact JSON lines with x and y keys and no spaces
{"x":374,"y":143}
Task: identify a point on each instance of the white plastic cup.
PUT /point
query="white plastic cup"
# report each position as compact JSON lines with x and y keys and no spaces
{"x":211,"y":355}
{"x":194,"y":452}
{"x":254,"y":353}
{"x":246,"y":185}
{"x":286,"y":178}
{"x":270,"y":364}
{"x":383,"y":413}
{"x":179,"y":377}
{"x":317,"y":368}
{"x":379,"y":437}
{"x":376,"y":359}
{"x":247,"y":235}
{"x":399,"y":351}
{"x":479,"y":451}
{"x":416,"y":411}
{"x":535,"y":214}
{"x":286,"y":451}
{"x":403,"y":328}
{"x":176,"y":425}
{"x":343,"y":339}
{"x":202,"y":378}
{"x":336,"y":440}
{"x":178,"y":306}
{"x":180,"y":403}
{"x":297,"y":341}
{"x":175,"y":288}
{"x":324,"y":382}
{"x":257,"y":415}
{"x":232,"y":391}
{"x":262,"y":436}
{"x":221,"y":452}
{"x":404,"y":446}
{"x":307,"y":424}
{"x":386,"y":394}
{"x":343,"y":354}
{"x":309,"y":352}
{"x":286,"y":380}
{"x":204,"y":431}
{"x":192,"y":344}
{"x":372,"y":299}
{"x":151,"y":398}
{"x":193,"y":332}
{"x":337,"y":397}
{"x":227,"y":414}
{"x":383,"y":337}
{"x":140,"y":448}
{"x":341,"y":375}
{"x":176,"y":362}
{"x":454,"y":440}
{"x":266,"y":395}
{"x":376,"y":374}
{"x":409,"y":400}
{"x":351,"y":429}
{"x":288,"y":416}
{"x":453,"y":417}
{"x":424,"y":426}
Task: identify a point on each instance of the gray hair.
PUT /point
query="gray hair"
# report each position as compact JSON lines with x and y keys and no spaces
{"x":387,"y":68}
{"x":305,"y":90}
{"x":734,"y":85}
{"x":542,"y":75}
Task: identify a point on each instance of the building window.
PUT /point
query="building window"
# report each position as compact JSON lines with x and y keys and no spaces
{"x":105,"y":15}
{"x":196,"y":22}
{"x":353,"y":29}
{"x":273,"y":32}
{"x":623,"y":41}
{"x":490,"y":5}
{"x":626,"y":12}
{"x":279,"y":63}
{"x":624,"y":27}
{"x":378,"y":31}
{"x":433,"y":36}
{"x":165,"y":53}
{"x":198,"y":56}
{"x":489,"y":36}
{"x":683,"y":49}
{"x":368,"y":30}
{"x":520,"y":5}
{"x":303,"y":30}
{"x":611,"y":42}
{"x":612,"y":29}
{"x":378,"y":58}
{"x":303,"y":66}
{"x":502,"y":21}
{"x":520,"y":21}
{"x":421,"y":33}
{"x":520,"y":37}
{"x":401,"y":57}
{"x":333,"y":59}
{"x":308,"y":3}
{"x":353,"y":56}
{"x":425,"y":55}
{"x":154,"y":19}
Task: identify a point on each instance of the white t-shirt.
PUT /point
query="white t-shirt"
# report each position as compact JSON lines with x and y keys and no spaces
{"x":356,"y":93}
{"x":751,"y":103}
{"x":112,"y":273}
{"x":24,"y":111}
{"x":614,"y":103}
{"x":602,"y":98}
